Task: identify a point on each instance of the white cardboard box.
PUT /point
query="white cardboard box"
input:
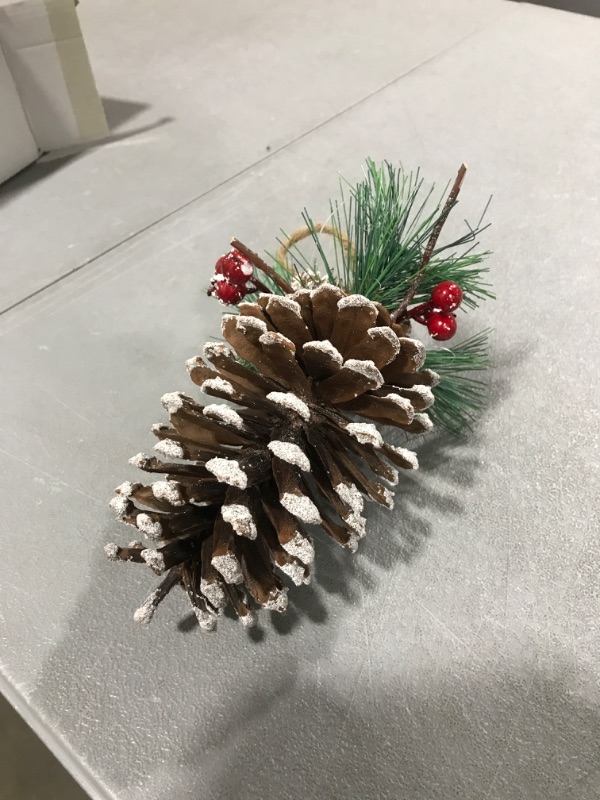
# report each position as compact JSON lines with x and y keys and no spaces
{"x":48,"y":97}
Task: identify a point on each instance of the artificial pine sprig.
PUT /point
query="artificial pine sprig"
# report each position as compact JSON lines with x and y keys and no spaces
{"x":459,"y":397}
{"x":389,"y":218}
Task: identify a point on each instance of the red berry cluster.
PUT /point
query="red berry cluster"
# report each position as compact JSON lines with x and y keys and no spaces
{"x":232,"y":280}
{"x":436,"y":313}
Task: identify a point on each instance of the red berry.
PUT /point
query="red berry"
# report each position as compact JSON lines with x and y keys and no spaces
{"x":235,"y":267}
{"x":441,"y":326}
{"x":228,"y":293}
{"x":447,"y":296}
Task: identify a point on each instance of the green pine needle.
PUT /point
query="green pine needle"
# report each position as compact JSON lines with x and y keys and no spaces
{"x":458,"y":397}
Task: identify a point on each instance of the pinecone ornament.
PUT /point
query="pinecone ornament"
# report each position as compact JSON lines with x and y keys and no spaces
{"x":305,"y":377}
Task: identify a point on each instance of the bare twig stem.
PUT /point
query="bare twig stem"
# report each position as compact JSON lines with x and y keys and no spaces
{"x":448,"y":205}
{"x":258,"y":262}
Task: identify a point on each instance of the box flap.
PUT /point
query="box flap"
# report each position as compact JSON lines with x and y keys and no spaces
{"x":17,"y":145}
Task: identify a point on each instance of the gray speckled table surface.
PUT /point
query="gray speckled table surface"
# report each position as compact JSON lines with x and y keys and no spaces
{"x":457,"y":654}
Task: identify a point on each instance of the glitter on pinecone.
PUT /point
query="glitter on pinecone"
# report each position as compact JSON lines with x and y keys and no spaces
{"x":242,"y":484}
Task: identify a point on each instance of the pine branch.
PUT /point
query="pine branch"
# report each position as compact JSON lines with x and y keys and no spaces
{"x":389,"y":217}
{"x":458,"y":397}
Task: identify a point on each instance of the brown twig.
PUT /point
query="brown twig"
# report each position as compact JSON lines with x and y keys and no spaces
{"x":258,"y":262}
{"x":448,"y":205}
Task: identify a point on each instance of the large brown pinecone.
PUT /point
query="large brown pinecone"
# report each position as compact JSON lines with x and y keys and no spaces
{"x":242,"y":484}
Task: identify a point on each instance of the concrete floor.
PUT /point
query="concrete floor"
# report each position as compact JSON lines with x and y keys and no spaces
{"x":482,"y":680}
